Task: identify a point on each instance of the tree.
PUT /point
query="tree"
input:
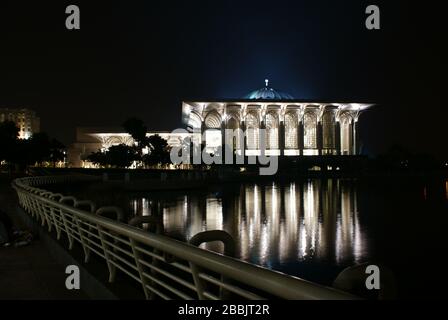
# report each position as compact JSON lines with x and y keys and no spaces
{"x":137,"y":129}
{"x":9,"y":134}
{"x":98,"y":158}
{"x":57,"y":151}
{"x":38,"y":148}
{"x":159,"y":151}
{"x":119,"y":156}
{"x":24,"y":152}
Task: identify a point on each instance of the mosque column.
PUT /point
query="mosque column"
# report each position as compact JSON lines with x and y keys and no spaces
{"x":300,"y":135}
{"x":202,"y":132}
{"x":223,"y":140}
{"x":319,"y":137}
{"x":350,"y":138}
{"x":262,"y":131}
{"x":337,"y":137}
{"x":203,"y":140}
{"x":355,"y":137}
{"x":244,"y":146}
{"x":281,"y":136}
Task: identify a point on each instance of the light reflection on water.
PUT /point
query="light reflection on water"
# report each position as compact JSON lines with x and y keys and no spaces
{"x":277,"y":226}
{"x":446,"y":189}
{"x":312,"y":229}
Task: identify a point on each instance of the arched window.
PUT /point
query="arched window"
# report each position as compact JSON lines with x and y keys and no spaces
{"x":252,"y":131}
{"x":213,"y":138}
{"x":328,"y":130}
{"x":110,"y":141}
{"x":290,"y":131}
{"x":194,"y":122}
{"x":213,"y":121}
{"x":271,"y":131}
{"x":233,"y":133}
{"x":309,"y":129}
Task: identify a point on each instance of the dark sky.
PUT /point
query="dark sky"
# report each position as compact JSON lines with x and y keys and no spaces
{"x":142,"y":58}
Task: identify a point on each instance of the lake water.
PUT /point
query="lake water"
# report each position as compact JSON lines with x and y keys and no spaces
{"x":313,"y":228}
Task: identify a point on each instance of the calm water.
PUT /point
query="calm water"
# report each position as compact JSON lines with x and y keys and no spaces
{"x":313,"y":228}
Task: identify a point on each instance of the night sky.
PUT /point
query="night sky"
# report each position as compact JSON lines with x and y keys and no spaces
{"x":142,"y":58}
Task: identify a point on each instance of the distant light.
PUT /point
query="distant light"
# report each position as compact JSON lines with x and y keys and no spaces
{"x":446,"y":189}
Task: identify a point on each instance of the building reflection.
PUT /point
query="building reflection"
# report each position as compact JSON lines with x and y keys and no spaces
{"x":277,"y":224}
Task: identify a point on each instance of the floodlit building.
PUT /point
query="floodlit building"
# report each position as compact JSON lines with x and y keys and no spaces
{"x":291,"y":127}
{"x":25,"y":119}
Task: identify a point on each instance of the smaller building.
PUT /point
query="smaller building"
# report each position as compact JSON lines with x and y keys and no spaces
{"x":25,"y":119}
{"x":89,"y":140}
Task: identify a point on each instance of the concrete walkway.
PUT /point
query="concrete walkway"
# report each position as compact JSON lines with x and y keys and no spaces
{"x":29,"y":272}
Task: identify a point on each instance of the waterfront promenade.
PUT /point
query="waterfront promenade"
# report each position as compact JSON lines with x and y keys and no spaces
{"x":29,"y":272}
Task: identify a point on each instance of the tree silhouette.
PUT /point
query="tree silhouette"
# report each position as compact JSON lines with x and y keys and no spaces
{"x":137,"y":129}
{"x":57,"y":153}
{"x":9,"y":134}
{"x":119,"y":156}
{"x":98,"y":158}
{"x":159,"y":151}
{"x":38,"y":148}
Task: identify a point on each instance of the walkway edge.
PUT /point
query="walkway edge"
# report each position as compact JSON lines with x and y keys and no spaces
{"x":94,"y":288}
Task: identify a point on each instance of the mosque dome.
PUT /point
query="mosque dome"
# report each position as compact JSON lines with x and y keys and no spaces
{"x":268,"y":93}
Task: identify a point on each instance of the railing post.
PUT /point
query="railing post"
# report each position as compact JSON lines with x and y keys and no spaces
{"x":83,"y":243}
{"x":85,"y":239}
{"x":229,"y":249}
{"x":197,"y":281}
{"x":46,"y":209}
{"x":140,"y":269}
{"x":56,"y":223}
{"x":67,"y":230}
{"x":110,"y":266}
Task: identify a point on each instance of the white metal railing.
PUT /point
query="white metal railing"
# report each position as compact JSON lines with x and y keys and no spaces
{"x":164,"y":267}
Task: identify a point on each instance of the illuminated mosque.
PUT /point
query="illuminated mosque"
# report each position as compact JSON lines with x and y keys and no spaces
{"x":292,"y":127}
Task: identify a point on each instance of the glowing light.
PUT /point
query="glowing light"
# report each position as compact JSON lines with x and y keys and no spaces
{"x":446,"y":189}
{"x":265,"y":234}
{"x":145,"y":207}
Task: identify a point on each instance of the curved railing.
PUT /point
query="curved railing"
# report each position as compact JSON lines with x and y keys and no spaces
{"x":164,"y":267}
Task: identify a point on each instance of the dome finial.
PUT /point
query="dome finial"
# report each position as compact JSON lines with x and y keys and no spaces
{"x":267,"y":82}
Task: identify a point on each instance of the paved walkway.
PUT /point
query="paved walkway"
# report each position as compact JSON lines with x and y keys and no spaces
{"x":29,"y":272}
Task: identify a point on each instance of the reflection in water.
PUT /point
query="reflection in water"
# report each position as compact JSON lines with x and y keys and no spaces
{"x":446,"y":189}
{"x":273,"y":225}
